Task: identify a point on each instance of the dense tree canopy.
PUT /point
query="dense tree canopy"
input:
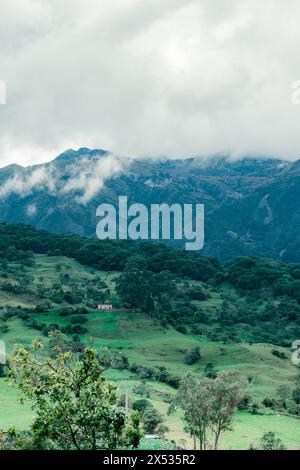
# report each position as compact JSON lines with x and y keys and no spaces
{"x":75,"y":406}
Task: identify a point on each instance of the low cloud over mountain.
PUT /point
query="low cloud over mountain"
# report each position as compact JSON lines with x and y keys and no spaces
{"x":84,"y":176}
{"x":252,"y":206}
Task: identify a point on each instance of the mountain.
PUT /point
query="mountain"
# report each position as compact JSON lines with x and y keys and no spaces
{"x":252,"y":205}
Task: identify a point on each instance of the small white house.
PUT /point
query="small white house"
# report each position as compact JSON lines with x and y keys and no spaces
{"x":103,"y":307}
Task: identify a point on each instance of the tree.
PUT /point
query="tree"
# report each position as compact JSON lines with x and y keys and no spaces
{"x":141,"y":405}
{"x":227,"y":390}
{"x":269,"y":441}
{"x":75,"y":406}
{"x":162,"y":288}
{"x":136,"y":262}
{"x":209,"y":405}
{"x":145,"y":290}
{"x":196,"y":401}
{"x":105,"y":357}
{"x":284,"y":393}
{"x":143,"y":390}
{"x":58,"y":342}
{"x":13,"y":440}
{"x":152,"y":419}
{"x":133,"y":288}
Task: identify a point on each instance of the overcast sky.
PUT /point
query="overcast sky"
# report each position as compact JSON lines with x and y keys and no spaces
{"x":149,"y":77}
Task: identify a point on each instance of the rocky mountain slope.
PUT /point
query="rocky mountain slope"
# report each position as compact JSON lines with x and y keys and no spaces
{"x":252,"y":206}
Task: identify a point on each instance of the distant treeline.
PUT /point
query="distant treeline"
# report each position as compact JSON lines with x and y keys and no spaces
{"x":105,"y":255}
{"x":18,"y":242}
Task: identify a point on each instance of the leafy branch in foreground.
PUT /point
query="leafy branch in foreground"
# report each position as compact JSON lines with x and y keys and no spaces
{"x":74,"y":404}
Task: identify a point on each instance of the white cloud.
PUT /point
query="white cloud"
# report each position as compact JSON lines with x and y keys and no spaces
{"x":177,"y":77}
{"x":88,"y":176}
{"x":31,"y":210}
{"x":84,"y":178}
{"x":23,"y":184}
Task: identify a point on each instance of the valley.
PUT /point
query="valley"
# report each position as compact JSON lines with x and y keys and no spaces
{"x":42,"y":293}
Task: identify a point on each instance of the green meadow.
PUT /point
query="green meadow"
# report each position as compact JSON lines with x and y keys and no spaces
{"x":146,"y":342}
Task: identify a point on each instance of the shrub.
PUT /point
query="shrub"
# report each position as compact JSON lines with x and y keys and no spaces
{"x":278,"y":354}
{"x":141,"y":405}
{"x":192,"y":356}
{"x":269,"y":402}
{"x":142,"y":390}
{"x":296,"y":395}
{"x":74,"y":329}
{"x":269,"y":441}
{"x":80,"y":311}
{"x":210,"y":371}
{"x":198,"y":294}
{"x":255,"y":408}
{"x":79,"y":319}
{"x":181,"y":329}
{"x":164,"y":322}
{"x":65,"y":312}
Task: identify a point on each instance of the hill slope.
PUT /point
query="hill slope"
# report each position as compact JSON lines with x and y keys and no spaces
{"x":252,"y":205}
{"x":146,"y":343}
{"x":233,"y":314}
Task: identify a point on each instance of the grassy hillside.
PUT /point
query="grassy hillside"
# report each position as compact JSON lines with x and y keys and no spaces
{"x":146,"y":342}
{"x":168,"y":303}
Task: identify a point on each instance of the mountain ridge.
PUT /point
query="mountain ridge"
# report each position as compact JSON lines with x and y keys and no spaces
{"x":252,"y":204}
